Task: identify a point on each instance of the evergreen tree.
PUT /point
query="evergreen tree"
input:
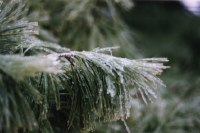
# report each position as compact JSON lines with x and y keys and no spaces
{"x":45,"y":86}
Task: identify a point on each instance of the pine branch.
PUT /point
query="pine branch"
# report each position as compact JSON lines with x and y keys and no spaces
{"x":111,"y":76}
{"x":14,"y":27}
{"x":93,"y":23}
{"x":37,"y":78}
{"x":19,"y":67}
{"x":99,"y":85}
{"x":15,"y":111}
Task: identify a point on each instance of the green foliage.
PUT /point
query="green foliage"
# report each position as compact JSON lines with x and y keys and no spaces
{"x":14,"y":26}
{"x":86,"y":24}
{"x":39,"y":78}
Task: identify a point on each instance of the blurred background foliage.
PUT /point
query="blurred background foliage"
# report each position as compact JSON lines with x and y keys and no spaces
{"x":144,"y":29}
{"x":167,"y":28}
